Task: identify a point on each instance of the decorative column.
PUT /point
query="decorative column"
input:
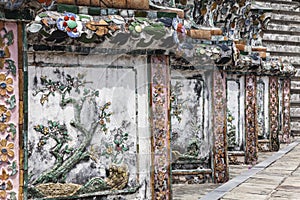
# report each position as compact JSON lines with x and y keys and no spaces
{"x":250,"y":120}
{"x":273,"y":113}
{"x":11,"y":166}
{"x":221,"y":173}
{"x":160,"y":106}
{"x":285,"y":138}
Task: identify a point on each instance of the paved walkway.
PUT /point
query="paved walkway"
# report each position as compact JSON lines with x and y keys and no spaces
{"x":276,"y":178}
{"x":240,"y":175}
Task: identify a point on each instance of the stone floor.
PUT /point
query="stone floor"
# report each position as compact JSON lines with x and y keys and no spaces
{"x":279,"y":181}
{"x":265,"y":184}
{"x":192,"y":191}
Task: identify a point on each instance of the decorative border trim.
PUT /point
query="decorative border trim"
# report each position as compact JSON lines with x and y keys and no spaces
{"x":286,"y":132}
{"x":11,"y":154}
{"x":273,"y":113}
{"x":221,"y":171}
{"x":250,"y":120}
{"x":160,"y":140}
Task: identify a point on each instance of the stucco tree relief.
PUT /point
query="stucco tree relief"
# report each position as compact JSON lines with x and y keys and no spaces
{"x":59,"y":133}
{"x":91,"y":118}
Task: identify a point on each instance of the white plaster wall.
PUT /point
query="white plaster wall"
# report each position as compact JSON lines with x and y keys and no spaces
{"x":191,"y":126}
{"x":267,"y":124}
{"x":194,"y":113}
{"x":143,"y":128}
{"x":236,"y":105}
{"x":233,"y":106}
{"x":127,"y":89}
{"x":242,"y":112}
{"x":208,"y":125}
{"x":265,"y":80}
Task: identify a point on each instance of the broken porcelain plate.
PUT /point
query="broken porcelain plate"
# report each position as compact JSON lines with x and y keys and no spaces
{"x":70,"y":23}
{"x":34,"y":28}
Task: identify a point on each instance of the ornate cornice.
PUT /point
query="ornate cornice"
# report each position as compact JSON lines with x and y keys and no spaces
{"x":222,"y":33}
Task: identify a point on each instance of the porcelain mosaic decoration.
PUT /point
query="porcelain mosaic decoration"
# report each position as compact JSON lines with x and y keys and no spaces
{"x":167,"y":27}
{"x":160,"y":97}
{"x":251,"y":137}
{"x":9,"y":113}
{"x":69,"y":23}
{"x":219,"y":120}
{"x":80,"y":146}
{"x":286,"y":111}
{"x":273,"y":113}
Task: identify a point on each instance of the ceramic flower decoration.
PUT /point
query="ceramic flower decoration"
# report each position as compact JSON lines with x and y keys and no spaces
{"x":5,"y":85}
{"x":4,"y":117}
{"x":6,"y":184}
{"x":4,"y":54}
{"x":159,"y":89}
{"x":3,"y":127}
{"x":6,"y":150}
{"x":70,"y":23}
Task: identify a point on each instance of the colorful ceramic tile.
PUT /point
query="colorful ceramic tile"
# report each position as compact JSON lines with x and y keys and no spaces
{"x":250,"y":120}
{"x":160,"y":102}
{"x":286,"y":111}
{"x":9,"y":111}
{"x":274,"y":113}
{"x":221,"y":167}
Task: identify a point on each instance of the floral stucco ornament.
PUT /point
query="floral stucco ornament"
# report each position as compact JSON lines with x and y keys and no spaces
{"x":70,"y":23}
{"x":6,"y":150}
{"x":5,"y":85}
{"x":6,"y":184}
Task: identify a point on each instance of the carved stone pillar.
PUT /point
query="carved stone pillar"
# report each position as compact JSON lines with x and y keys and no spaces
{"x":221,"y":174}
{"x":250,"y":120}
{"x":273,"y":113}
{"x":286,"y":127}
{"x":160,"y":106}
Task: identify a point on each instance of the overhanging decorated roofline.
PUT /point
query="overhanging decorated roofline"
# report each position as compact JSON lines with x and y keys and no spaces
{"x":177,"y":31}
